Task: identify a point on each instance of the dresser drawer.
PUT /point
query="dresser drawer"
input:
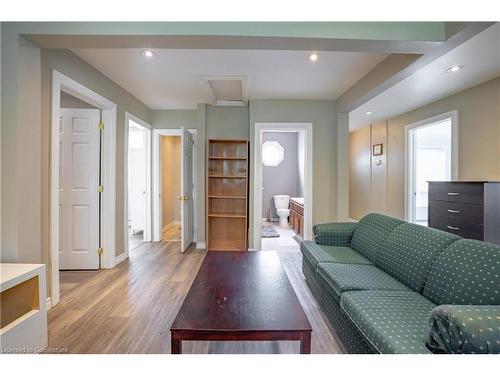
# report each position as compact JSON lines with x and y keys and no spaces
{"x":460,"y":226}
{"x":456,"y":192}
{"x":455,"y":210}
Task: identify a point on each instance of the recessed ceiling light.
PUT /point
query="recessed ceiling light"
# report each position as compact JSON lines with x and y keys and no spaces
{"x":454,"y":68}
{"x":313,"y":57}
{"x":149,"y":54}
{"x":369,"y":113}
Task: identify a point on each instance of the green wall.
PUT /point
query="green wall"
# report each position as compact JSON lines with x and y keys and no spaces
{"x":322,"y":114}
{"x":174,"y":118}
{"x":227,"y":122}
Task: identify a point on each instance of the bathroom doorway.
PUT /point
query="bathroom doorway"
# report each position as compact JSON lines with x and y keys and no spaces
{"x":283,"y":181}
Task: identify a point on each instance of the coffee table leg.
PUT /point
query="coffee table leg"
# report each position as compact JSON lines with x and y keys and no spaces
{"x":176,"y":344}
{"x":305,"y":343}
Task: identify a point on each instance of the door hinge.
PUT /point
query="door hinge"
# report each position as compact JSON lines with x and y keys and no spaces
{"x":100,"y":189}
{"x":101,"y":125}
{"x":100,"y":251}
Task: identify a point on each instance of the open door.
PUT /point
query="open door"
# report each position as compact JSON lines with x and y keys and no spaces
{"x":187,"y":206}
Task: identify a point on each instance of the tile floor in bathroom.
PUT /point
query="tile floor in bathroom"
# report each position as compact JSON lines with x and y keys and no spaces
{"x":284,"y":243}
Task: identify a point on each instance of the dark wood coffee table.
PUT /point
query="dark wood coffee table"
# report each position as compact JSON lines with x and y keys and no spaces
{"x":241,"y":296}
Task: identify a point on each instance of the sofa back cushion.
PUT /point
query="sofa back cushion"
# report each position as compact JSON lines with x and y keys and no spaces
{"x":466,"y":273}
{"x":370,"y":232}
{"x":408,"y":252}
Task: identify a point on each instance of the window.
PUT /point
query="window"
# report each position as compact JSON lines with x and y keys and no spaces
{"x":272,"y":153}
{"x":430,"y":155}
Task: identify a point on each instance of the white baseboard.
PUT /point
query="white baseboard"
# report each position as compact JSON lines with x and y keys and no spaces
{"x":201,"y":245}
{"x":170,"y":225}
{"x":49,"y":303}
{"x":120,"y":258}
{"x":352,"y":220}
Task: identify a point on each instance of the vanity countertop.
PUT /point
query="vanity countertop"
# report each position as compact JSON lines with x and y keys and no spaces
{"x":298,"y":200}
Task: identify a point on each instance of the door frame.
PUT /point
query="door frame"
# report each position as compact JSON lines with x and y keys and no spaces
{"x":307,"y":128}
{"x":157,"y":133}
{"x":148,"y":225}
{"x":409,"y":151}
{"x":60,"y":82}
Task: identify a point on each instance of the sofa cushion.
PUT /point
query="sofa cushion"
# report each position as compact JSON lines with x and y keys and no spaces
{"x":465,"y":329}
{"x":392,"y":321}
{"x":331,"y":254}
{"x":370,"y":232}
{"x":466,"y":273}
{"x":334,"y":234}
{"x":408,"y":251}
{"x":341,"y":277}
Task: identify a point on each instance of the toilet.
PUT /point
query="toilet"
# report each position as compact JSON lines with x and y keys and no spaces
{"x":281,"y":202}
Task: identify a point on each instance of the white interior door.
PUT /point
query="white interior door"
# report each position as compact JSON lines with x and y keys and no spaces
{"x":78,"y":184}
{"x":187,"y":207}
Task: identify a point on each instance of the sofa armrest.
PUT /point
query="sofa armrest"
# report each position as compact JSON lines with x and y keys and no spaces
{"x":333,"y":234}
{"x":464,"y":329}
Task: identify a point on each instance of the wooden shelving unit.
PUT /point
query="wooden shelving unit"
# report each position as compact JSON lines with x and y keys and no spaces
{"x":227,"y":195}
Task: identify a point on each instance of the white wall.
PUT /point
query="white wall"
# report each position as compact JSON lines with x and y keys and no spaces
{"x":301,"y":160}
{"x":137,"y":178}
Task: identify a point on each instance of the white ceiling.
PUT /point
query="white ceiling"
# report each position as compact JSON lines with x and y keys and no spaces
{"x":480,"y":57}
{"x":170,"y":80}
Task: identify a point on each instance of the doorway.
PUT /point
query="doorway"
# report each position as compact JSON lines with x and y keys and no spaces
{"x":138,"y":180}
{"x":431,"y":154}
{"x":282,"y":205}
{"x":174,"y":186}
{"x":82,"y":186}
{"x":170,"y":179}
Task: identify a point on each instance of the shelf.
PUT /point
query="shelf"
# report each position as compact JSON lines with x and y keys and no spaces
{"x":232,"y":216}
{"x":227,"y":158}
{"x":221,"y":176}
{"x":227,"y":197}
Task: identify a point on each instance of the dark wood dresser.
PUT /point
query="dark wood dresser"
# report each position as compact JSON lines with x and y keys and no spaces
{"x":470,"y":209}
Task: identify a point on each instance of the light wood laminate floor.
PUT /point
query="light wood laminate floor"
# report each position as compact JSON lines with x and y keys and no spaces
{"x":129,"y":309}
{"x":173,"y":233}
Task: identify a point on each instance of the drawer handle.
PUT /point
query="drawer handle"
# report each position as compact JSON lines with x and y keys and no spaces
{"x":453,"y":193}
{"x":454,"y":211}
{"x":453,"y":228}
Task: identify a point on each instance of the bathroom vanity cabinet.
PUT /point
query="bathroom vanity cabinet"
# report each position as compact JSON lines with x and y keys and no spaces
{"x":297,"y":215}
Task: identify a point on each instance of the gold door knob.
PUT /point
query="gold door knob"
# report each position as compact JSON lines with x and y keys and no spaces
{"x":184,"y":198}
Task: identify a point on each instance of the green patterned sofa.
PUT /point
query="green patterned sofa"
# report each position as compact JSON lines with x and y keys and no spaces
{"x":388,"y":286}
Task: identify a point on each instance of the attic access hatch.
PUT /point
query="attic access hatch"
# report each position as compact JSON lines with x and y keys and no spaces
{"x":226,"y":90}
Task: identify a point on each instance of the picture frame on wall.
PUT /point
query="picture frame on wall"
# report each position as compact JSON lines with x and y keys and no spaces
{"x":378,"y":149}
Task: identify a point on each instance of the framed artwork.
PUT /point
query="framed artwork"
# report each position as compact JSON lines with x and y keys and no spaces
{"x":378,"y":149}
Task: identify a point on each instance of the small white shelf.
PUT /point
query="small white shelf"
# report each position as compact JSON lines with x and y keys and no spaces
{"x":24,"y":308}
